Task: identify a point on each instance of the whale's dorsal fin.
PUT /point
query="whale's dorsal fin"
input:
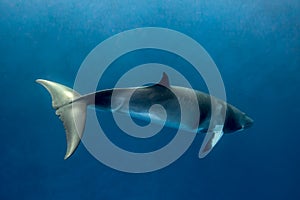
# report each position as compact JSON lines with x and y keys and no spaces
{"x":164,"y":81}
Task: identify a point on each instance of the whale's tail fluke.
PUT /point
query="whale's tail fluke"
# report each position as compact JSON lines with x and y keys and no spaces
{"x":72,"y":114}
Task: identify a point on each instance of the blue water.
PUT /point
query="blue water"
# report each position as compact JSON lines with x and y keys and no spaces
{"x":256,"y":46}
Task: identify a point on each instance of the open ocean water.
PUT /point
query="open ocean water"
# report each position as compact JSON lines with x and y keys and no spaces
{"x":256,"y":46}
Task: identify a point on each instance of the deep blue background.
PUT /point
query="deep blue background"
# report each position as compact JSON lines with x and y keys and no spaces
{"x":255,"y":44}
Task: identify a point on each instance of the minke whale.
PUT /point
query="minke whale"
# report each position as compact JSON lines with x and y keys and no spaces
{"x":71,"y":108}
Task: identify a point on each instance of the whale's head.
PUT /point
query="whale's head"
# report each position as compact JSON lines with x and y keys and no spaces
{"x":236,"y":120}
{"x":245,"y":121}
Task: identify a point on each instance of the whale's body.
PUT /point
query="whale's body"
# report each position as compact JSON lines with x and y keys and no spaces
{"x":136,"y":102}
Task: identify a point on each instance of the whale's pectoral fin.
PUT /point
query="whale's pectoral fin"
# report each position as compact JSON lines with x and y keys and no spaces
{"x":117,"y":104}
{"x":211,"y":139}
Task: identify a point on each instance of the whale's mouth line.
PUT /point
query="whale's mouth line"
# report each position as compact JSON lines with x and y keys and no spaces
{"x":247,"y":125}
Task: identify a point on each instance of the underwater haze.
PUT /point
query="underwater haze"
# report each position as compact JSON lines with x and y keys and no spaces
{"x":254,"y":43}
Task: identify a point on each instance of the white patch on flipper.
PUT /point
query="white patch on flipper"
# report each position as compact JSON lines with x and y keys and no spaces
{"x":210,"y":140}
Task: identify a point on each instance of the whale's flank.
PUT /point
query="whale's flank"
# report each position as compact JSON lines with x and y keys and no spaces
{"x":135,"y":102}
